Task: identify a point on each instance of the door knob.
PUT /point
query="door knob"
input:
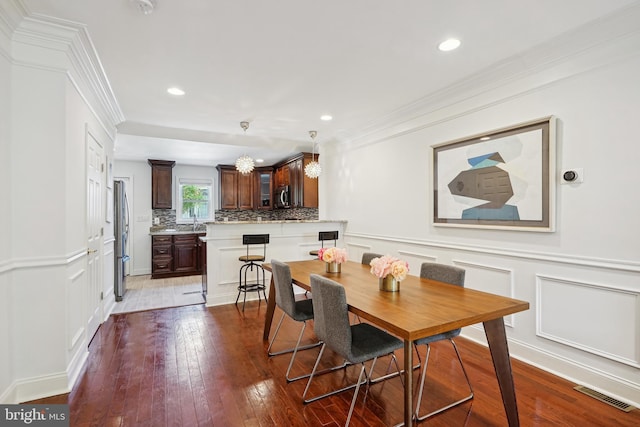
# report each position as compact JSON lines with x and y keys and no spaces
{"x":89,"y":251}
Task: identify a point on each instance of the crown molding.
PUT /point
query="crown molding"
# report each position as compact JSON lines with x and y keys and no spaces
{"x":600,"y":42}
{"x":52,"y":43}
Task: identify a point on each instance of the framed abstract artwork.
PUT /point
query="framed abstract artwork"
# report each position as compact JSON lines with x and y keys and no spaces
{"x":502,"y":179}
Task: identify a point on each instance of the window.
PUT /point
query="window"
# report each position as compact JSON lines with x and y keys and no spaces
{"x":194,"y":199}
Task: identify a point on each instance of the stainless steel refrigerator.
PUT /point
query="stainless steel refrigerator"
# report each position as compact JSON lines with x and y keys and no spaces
{"x":121,"y":232}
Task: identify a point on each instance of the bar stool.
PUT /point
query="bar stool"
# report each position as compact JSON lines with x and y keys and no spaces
{"x":325,"y":235}
{"x":252,"y":261}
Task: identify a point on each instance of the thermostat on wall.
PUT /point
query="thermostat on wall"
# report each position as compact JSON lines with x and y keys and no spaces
{"x":572,"y":176}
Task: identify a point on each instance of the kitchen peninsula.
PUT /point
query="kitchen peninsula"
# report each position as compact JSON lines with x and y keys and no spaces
{"x":290,"y":240}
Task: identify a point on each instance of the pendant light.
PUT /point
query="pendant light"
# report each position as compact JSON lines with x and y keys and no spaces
{"x":244,"y":164}
{"x":313,"y":169}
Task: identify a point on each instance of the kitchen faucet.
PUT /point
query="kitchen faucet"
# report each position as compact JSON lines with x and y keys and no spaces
{"x":195,"y":222}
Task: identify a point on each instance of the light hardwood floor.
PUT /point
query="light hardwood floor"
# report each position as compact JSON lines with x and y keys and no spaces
{"x":144,"y":293}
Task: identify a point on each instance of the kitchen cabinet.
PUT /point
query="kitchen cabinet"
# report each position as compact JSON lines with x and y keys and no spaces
{"x":185,"y":253}
{"x":161,"y":255}
{"x":161,"y":183}
{"x":263,"y":188}
{"x":303,"y":190}
{"x":176,"y":255}
{"x":245,"y":191}
{"x":228,"y":187}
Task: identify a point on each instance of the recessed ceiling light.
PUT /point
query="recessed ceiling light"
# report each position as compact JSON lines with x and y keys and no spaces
{"x":175,"y":91}
{"x":326,"y":117}
{"x":259,"y":160}
{"x":449,"y":44}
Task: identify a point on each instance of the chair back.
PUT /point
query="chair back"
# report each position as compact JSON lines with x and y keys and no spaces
{"x":442,"y":273}
{"x":256,"y":239}
{"x":368,"y":256}
{"x":331,"y":315}
{"x":328,"y":235}
{"x":285,"y":298}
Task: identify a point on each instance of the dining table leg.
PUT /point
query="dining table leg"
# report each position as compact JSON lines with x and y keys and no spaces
{"x":408,"y":383}
{"x":497,"y":339}
{"x":271,"y":308}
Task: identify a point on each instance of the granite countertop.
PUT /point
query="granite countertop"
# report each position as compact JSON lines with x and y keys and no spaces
{"x":281,"y":221}
{"x":173,"y":231}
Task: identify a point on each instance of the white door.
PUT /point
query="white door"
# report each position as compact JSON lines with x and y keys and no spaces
{"x":94,"y":233}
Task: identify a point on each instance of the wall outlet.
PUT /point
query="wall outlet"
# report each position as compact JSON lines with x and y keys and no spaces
{"x":156,"y":221}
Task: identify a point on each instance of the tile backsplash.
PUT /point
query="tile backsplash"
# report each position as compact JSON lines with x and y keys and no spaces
{"x":167,"y":217}
{"x":267,"y":215}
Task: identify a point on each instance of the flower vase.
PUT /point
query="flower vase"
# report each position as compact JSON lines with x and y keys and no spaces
{"x":332,"y":267}
{"x":389,"y":284}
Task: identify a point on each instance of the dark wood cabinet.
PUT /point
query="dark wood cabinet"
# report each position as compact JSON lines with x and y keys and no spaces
{"x":185,"y":253}
{"x":176,"y":255}
{"x":228,"y":187}
{"x":263,"y":188}
{"x":161,"y":255}
{"x":245,"y":191}
{"x":161,"y":183}
{"x":303,"y":190}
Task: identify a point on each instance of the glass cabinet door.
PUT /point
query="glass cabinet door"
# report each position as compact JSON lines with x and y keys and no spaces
{"x":265,"y":190}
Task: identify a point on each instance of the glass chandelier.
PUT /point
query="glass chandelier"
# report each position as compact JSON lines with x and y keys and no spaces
{"x":313,"y":169}
{"x":244,"y":164}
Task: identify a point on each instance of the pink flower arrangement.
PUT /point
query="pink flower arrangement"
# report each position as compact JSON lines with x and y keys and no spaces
{"x":332,"y":255}
{"x":383,"y":266}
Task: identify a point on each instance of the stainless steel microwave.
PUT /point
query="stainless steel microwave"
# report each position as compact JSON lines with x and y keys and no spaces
{"x":282,"y":197}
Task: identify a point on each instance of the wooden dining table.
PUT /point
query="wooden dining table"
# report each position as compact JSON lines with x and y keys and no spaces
{"x":420,"y":308}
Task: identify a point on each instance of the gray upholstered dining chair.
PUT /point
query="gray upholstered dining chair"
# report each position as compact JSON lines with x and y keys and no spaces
{"x":453,"y":275}
{"x":368,"y":256}
{"x":358,"y":343}
{"x":300,"y":311}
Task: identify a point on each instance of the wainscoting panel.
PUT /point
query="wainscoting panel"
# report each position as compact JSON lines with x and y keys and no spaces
{"x":489,"y":278}
{"x":355,"y":250}
{"x":595,"y":318}
{"x":416,"y":258}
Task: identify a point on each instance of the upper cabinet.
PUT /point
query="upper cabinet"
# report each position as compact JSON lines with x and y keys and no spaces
{"x":303,"y":190}
{"x":228,"y":187}
{"x":263,"y":188}
{"x":161,"y":183}
{"x":255,"y":190}
{"x":241,"y":191}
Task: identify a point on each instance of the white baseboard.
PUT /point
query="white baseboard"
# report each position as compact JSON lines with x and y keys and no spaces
{"x":230,"y":298}
{"x":75,"y":367}
{"x":36,"y":388}
{"x":568,"y":369}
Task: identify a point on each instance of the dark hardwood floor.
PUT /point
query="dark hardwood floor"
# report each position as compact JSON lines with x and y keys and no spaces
{"x":198,"y":366}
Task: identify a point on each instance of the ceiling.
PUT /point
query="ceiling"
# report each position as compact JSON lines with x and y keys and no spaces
{"x":280,"y":65}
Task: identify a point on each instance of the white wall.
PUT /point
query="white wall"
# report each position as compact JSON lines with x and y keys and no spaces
{"x":581,"y":281}
{"x":141,"y":213}
{"x":49,"y":102}
{"x":6,"y":359}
